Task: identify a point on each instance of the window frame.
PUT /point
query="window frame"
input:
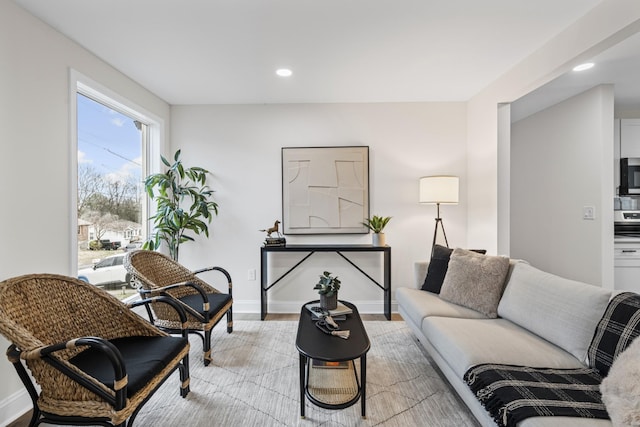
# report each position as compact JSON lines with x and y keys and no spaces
{"x":151,"y":147}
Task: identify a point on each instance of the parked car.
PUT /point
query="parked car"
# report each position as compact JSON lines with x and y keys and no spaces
{"x":109,"y":270}
{"x":133,"y":246}
{"x":104,"y":244}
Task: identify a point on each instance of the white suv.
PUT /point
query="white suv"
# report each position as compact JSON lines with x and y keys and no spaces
{"x":108,"y":270}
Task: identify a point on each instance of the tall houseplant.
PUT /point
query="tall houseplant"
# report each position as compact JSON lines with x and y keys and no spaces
{"x":184,"y":203}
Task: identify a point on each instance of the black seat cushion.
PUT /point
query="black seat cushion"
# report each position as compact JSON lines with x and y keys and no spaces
{"x":216,"y":302}
{"x":144,"y":358}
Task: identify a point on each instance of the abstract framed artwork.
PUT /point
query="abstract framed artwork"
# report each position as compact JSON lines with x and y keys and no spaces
{"x":325,"y":190}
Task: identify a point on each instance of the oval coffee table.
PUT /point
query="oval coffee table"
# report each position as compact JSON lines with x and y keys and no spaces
{"x":332,"y":388}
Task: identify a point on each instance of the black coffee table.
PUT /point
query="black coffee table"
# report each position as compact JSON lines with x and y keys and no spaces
{"x":313,"y":344}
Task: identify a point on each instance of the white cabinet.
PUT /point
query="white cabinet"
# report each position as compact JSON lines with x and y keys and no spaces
{"x":627,"y":266}
{"x":629,"y":138}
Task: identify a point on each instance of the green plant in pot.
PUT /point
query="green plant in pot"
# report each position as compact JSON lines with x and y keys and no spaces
{"x":184,"y":203}
{"x":328,"y":287}
{"x":377,"y":224}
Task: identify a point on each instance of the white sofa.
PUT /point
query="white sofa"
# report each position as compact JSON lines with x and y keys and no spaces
{"x":543,"y":321}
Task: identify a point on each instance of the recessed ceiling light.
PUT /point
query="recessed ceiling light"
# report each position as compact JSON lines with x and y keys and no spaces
{"x":584,"y":66}
{"x":284,"y":72}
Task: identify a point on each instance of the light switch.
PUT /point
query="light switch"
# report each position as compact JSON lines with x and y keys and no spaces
{"x":589,"y":212}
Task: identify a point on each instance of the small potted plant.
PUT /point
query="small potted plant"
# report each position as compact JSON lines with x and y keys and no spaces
{"x":328,"y":287}
{"x":377,"y":224}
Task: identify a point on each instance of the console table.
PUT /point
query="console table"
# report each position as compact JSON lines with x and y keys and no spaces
{"x":312,"y":249}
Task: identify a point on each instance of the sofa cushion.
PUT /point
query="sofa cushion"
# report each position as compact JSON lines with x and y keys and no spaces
{"x":621,"y":388}
{"x":438,"y":268}
{"x":562,"y":311}
{"x":418,"y":304}
{"x":475,"y":281}
{"x":619,"y":325}
{"x":464,"y":343}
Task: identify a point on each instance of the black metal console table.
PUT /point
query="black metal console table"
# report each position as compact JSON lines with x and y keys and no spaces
{"x":311,"y":249}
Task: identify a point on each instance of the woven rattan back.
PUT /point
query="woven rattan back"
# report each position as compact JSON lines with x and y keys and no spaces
{"x":153,"y":270}
{"x":45,"y":309}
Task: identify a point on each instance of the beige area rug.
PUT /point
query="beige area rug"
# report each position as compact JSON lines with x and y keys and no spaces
{"x":254,"y":381}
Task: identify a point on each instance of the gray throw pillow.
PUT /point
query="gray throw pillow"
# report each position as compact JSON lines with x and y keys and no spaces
{"x":475,"y":281}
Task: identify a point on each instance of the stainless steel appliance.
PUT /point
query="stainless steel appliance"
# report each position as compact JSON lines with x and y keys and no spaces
{"x":629,"y":176}
{"x":626,"y":258}
{"x":626,"y":223}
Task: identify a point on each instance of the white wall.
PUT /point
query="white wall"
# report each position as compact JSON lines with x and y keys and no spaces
{"x":561,"y":162}
{"x":36,"y":158}
{"x":605,"y":25}
{"x":241,"y":145}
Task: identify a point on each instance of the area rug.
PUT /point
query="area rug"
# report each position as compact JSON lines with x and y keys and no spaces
{"x":253,"y":381}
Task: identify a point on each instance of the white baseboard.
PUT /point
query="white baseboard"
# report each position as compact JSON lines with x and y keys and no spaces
{"x":14,"y":406}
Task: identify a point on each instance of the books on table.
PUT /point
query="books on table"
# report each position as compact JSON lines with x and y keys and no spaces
{"x":330,"y":365}
{"x":317,"y":312}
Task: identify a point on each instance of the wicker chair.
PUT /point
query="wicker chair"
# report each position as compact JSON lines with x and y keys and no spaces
{"x":95,"y":360}
{"x":156,"y":274}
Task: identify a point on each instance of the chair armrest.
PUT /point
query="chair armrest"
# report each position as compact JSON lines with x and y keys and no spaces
{"x":113,"y":354}
{"x":221,"y":270}
{"x":167,"y":300}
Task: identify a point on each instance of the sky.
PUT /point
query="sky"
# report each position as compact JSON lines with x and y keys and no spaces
{"x":108,"y":141}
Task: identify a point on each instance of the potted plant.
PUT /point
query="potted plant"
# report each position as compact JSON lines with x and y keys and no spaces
{"x":328,"y":287}
{"x":377,"y":224}
{"x":183,"y":204}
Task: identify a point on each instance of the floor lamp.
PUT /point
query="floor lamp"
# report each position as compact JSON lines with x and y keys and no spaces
{"x":436,"y":190}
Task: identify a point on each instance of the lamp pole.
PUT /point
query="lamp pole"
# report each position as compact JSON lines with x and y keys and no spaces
{"x":435,"y":231}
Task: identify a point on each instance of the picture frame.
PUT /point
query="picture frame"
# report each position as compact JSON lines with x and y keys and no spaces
{"x":325,"y":190}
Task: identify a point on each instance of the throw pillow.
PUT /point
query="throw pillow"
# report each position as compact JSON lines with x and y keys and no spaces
{"x":437,"y":269}
{"x":475,"y":281}
{"x":621,"y":388}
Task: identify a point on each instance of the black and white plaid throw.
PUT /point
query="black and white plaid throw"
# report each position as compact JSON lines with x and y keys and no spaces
{"x":513,"y":393}
{"x":619,"y":325}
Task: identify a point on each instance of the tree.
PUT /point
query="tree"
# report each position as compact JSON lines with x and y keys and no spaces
{"x":90,"y":184}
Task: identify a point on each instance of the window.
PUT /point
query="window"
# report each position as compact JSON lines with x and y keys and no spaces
{"x":110,"y":173}
{"x":112,"y":140}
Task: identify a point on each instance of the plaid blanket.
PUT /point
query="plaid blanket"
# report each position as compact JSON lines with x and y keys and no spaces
{"x":513,"y":393}
{"x":619,"y":325}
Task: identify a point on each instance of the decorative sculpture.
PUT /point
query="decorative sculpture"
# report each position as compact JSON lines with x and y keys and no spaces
{"x":274,"y":229}
{"x":274,"y":241}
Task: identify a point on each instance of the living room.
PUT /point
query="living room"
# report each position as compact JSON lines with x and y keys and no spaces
{"x":241,"y":145}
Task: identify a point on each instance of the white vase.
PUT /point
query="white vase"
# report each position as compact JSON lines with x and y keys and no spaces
{"x":379,"y":239}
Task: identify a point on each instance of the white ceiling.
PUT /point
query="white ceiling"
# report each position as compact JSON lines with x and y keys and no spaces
{"x":618,"y":65}
{"x":226,"y":51}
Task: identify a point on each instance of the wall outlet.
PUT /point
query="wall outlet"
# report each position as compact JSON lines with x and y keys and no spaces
{"x":589,"y":212}
{"x":251,"y":274}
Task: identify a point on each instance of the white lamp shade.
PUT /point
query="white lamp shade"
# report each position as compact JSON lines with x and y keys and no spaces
{"x":439,"y":189}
